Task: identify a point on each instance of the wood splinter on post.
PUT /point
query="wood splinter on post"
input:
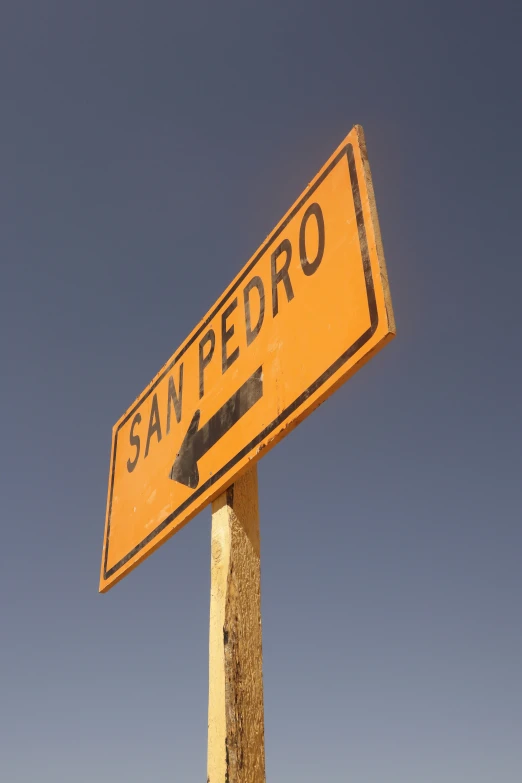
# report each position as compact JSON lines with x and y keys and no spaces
{"x":236,"y":747}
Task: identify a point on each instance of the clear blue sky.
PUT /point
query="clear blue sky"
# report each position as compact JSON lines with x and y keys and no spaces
{"x":146,"y":150}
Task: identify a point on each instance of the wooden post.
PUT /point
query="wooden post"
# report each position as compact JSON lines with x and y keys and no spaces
{"x":236,"y":746}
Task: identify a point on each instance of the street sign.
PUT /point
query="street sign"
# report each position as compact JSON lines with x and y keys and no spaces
{"x":309,"y":308}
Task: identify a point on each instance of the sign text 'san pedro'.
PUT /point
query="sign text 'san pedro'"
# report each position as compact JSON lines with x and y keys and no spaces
{"x":309,"y":308}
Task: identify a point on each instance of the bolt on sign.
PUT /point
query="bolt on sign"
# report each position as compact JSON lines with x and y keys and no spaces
{"x":308,"y":309}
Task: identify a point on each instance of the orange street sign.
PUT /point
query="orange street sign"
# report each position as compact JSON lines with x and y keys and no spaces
{"x":308,"y":309}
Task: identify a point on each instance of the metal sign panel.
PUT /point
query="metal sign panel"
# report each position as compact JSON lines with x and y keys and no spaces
{"x":308,"y":309}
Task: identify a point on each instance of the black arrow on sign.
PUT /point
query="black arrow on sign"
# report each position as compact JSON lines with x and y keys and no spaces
{"x":197,"y":442}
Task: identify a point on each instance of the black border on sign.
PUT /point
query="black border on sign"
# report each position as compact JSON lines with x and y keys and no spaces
{"x":357,"y":345}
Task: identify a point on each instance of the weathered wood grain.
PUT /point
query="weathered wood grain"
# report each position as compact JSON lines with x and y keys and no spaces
{"x":236,"y":752}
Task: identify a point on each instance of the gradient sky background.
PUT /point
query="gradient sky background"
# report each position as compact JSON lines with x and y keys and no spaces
{"x":146,"y":150}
